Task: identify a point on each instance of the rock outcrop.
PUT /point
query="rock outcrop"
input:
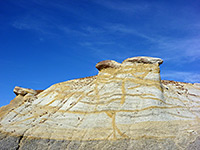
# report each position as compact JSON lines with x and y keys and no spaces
{"x":126,"y":106}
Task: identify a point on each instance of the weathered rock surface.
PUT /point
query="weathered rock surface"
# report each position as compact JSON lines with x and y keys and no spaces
{"x":107,"y":64}
{"x":126,"y":106}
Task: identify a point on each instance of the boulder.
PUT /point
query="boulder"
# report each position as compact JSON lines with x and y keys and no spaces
{"x":23,"y":91}
{"x":107,"y":64}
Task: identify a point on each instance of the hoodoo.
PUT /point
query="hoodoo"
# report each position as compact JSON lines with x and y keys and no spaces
{"x":125,"y":106}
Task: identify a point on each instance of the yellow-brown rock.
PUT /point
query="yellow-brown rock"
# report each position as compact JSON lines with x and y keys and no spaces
{"x":107,"y":64}
{"x":126,"y":106}
{"x":23,"y":91}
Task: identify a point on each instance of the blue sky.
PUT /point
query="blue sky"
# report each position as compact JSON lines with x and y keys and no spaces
{"x":43,"y":42}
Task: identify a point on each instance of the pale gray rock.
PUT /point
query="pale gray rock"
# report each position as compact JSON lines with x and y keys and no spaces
{"x":145,"y":60}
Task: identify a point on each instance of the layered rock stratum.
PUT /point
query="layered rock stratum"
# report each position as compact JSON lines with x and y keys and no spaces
{"x":125,"y":106}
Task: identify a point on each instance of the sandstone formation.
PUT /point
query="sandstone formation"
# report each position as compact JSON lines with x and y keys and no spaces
{"x":125,"y":106}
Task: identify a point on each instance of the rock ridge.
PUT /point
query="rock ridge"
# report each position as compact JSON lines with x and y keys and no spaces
{"x":125,"y":106}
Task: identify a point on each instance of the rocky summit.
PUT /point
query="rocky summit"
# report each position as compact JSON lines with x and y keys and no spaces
{"x":125,"y":107}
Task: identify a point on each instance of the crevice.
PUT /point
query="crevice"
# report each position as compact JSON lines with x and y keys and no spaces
{"x":19,"y":142}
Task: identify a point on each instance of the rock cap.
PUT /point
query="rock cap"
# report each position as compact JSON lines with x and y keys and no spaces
{"x":23,"y":91}
{"x":143,"y":59}
{"x":107,"y":64}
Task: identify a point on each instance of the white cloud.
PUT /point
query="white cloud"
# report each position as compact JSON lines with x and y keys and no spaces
{"x":104,"y":50}
{"x":183,"y":76}
{"x":41,"y":24}
{"x":186,"y":49}
{"x":92,"y":30}
{"x":71,"y":31}
{"x":97,"y":43}
{"x":127,"y":30}
{"x":21,"y":25}
{"x":177,"y":50}
{"x":122,"y":6}
{"x":180,"y":50}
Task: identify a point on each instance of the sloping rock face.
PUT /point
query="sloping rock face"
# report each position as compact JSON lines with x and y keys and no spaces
{"x":126,"y":106}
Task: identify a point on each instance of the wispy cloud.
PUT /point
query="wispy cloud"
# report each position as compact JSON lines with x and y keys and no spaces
{"x":98,"y":43}
{"x":104,"y":50}
{"x":181,"y":76}
{"x":177,"y":50}
{"x":180,"y":50}
{"x":122,"y":6}
{"x":106,"y":54}
{"x":39,"y":24}
{"x":186,"y":49}
{"x":27,"y":22}
{"x":120,"y":28}
{"x":72,"y":32}
{"x":92,"y":30}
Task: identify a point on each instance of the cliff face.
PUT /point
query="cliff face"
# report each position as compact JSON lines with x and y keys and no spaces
{"x":126,"y":106}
